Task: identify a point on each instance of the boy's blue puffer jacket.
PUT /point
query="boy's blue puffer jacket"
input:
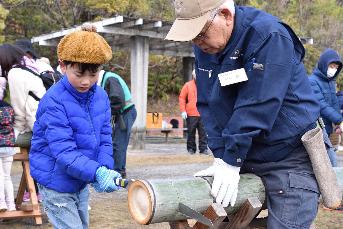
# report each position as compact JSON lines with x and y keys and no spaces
{"x":71,"y":137}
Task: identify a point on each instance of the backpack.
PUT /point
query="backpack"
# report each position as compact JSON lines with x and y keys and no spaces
{"x":111,"y":84}
{"x":49,"y":78}
{"x":7,"y":138}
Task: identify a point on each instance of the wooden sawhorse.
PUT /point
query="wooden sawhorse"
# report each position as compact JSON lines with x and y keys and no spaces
{"x":244,"y":218}
{"x":31,"y":209}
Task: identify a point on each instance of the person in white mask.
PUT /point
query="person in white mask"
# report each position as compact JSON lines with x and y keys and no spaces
{"x":332,"y":70}
{"x":323,"y":83}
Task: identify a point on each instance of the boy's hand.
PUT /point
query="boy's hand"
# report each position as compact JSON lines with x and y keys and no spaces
{"x":105,"y":180}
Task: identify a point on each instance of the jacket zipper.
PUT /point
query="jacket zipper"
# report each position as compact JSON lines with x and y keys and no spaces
{"x":90,"y":120}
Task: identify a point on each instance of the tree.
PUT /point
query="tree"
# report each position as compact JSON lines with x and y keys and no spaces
{"x":321,"y":20}
{"x":3,"y":15}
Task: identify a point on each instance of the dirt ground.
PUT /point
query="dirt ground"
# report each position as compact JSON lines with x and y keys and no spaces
{"x":156,"y":161}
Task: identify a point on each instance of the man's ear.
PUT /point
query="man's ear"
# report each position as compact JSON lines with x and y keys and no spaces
{"x":227,"y":15}
{"x":62,"y":66}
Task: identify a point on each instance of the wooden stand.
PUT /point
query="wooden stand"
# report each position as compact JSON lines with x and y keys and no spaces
{"x":30,"y":209}
{"x":166,"y":132}
{"x":242,"y":219}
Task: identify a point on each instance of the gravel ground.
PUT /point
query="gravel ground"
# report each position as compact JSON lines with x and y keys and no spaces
{"x":156,"y":161}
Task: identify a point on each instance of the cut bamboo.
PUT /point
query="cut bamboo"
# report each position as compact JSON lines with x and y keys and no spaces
{"x":325,"y":175}
{"x":156,"y":201}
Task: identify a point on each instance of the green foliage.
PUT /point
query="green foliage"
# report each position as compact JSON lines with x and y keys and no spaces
{"x":3,"y":15}
{"x":161,"y":9}
{"x":320,"y":19}
{"x":164,"y":74}
{"x":127,"y":7}
{"x":164,"y":77}
{"x":311,"y":58}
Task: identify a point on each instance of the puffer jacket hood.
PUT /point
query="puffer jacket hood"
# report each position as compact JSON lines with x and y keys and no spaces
{"x":327,"y":57}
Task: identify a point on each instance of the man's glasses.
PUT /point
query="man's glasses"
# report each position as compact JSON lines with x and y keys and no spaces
{"x":202,"y":35}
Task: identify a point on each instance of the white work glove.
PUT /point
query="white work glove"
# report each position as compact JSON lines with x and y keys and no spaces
{"x":225,"y":181}
{"x":184,"y":115}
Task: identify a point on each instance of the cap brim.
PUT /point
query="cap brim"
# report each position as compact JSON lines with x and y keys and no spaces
{"x":187,"y":29}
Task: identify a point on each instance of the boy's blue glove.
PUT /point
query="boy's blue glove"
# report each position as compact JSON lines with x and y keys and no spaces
{"x":105,"y":180}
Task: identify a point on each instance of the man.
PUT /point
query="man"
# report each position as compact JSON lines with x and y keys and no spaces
{"x":256,"y":102}
{"x":189,"y":112}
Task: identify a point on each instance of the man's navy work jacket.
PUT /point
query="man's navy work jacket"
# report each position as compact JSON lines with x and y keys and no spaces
{"x":263,"y":118}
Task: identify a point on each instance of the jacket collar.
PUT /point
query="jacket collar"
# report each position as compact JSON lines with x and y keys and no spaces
{"x":81,"y":96}
{"x":235,"y":36}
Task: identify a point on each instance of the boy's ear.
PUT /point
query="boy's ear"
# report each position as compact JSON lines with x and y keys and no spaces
{"x":63,"y":66}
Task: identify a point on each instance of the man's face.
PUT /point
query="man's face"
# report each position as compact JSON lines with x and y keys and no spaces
{"x":82,"y":82}
{"x":216,"y":33}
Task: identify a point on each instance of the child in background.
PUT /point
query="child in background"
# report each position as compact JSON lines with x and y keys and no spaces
{"x":22,"y":84}
{"x":72,"y":144}
{"x":6,"y":151}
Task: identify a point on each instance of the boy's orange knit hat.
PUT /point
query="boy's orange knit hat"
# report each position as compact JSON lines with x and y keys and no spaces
{"x":84,"y":46}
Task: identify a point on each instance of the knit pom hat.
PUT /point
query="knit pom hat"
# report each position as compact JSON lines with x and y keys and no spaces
{"x":85,"y":46}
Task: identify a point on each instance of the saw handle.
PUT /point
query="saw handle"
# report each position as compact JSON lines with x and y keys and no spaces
{"x":121,"y":182}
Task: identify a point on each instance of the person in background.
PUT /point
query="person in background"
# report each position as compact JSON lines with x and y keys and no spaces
{"x":256,"y":103}
{"x":43,"y":63}
{"x":189,"y":112}
{"x":123,"y":117}
{"x":21,"y":83}
{"x":72,"y":137}
{"x":323,"y":83}
{"x":26,"y":46}
{"x":7,"y":151}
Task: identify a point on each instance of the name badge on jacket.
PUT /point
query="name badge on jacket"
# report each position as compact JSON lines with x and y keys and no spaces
{"x":232,"y":77}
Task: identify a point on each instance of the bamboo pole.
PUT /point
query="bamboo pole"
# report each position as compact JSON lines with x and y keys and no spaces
{"x":156,"y":201}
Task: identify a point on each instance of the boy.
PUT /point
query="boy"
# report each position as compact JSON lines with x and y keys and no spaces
{"x":72,"y":144}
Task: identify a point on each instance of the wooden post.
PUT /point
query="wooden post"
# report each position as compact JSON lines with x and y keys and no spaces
{"x":182,"y":224}
{"x":216,"y":213}
{"x":26,"y":181}
{"x":245,"y":214}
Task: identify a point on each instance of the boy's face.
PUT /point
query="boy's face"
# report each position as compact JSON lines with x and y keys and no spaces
{"x":82,"y":82}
